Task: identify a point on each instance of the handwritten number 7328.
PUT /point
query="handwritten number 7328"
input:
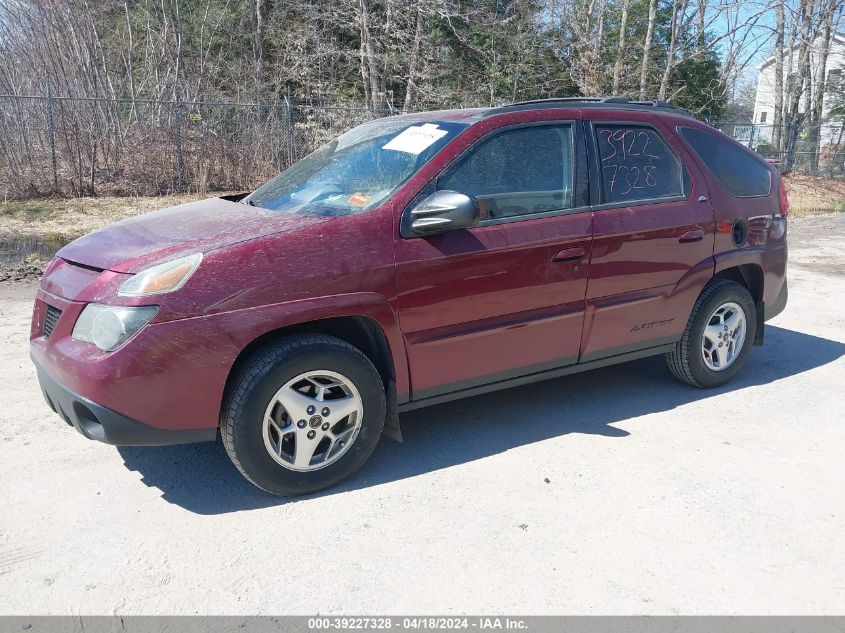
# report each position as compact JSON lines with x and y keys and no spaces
{"x":633,"y":177}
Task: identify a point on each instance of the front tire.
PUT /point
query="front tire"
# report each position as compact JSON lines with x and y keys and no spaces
{"x":303,"y":414}
{"x":718,"y":338}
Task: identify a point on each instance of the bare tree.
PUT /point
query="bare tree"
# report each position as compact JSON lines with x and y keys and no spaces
{"x":799,"y":81}
{"x":679,"y":8}
{"x":780,"y":35}
{"x":828,"y":12}
{"x":414,"y":62}
{"x":652,"y":17}
{"x":620,"y":47}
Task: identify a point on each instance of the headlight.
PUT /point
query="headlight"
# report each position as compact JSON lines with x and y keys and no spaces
{"x":109,"y":327}
{"x":162,"y":278}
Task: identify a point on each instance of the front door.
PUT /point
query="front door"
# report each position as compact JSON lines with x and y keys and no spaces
{"x":505,"y":298}
{"x":653,"y":236}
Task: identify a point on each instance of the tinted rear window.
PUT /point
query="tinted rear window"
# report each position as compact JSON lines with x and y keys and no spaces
{"x":740,"y":174}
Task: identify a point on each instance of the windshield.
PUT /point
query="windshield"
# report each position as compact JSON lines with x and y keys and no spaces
{"x":357,"y":170}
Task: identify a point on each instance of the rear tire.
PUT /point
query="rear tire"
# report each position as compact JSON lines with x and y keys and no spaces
{"x":277,"y":422}
{"x":718,"y":338}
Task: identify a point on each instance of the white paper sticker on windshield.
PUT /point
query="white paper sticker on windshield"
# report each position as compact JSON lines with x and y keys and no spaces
{"x":416,"y":139}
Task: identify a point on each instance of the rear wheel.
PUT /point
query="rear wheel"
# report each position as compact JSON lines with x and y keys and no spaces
{"x":718,"y":337}
{"x":303,"y":414}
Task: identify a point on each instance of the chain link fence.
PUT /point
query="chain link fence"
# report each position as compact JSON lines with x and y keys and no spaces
{"x":73,"y":146}
{"x":817,"y":150}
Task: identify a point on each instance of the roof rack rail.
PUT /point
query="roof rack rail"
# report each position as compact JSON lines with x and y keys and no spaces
{"x":570,"y":100}
{"x":655,"y":103}
{"x":621,"y":101}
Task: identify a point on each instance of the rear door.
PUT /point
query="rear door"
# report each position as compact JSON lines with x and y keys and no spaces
{"x":653,"y":234}
{"x":505,"y":298}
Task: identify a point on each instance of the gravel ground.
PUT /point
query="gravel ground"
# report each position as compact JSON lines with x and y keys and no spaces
{"x":616,"y":491}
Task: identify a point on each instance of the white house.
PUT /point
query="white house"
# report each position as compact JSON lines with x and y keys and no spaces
{"x":764,"y":103}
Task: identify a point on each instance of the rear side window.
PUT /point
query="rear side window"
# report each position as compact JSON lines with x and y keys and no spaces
{"x":636,"y":164}
{"x":739,"y":173}
{"x":517,"y":172}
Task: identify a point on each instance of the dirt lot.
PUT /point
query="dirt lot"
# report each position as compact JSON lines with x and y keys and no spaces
{"x":72,"y":217}
{"x":810,"y":195}
{"x":615,"y":491}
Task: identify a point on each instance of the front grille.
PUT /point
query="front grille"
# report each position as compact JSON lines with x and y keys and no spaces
{"x":50,"y":318}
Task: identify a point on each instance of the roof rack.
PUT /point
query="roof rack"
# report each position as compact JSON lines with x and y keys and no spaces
{"x":562,"y":101}
{"x":571,"y":100}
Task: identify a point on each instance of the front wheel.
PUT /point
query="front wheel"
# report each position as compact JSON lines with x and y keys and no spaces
{"x":718,"y":338}
{"x":303,"y":414}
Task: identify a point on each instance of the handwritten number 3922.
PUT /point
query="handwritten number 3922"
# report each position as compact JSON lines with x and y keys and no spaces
{"x":625,"y":148}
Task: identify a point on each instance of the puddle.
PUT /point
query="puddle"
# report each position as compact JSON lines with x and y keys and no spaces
{"x":14,"y":250}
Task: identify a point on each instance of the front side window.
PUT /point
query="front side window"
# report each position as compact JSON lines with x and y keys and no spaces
{"x":358,"y":170}
{"x":636,"y":164}
{"x":517,"y":172}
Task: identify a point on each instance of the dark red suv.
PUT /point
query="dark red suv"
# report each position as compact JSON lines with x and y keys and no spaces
{"x":414,"y":260}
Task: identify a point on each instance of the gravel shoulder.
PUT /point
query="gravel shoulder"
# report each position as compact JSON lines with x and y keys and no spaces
{"x":617,"y":491}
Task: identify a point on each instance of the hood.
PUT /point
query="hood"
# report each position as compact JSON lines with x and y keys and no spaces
{"x":145,"y":240}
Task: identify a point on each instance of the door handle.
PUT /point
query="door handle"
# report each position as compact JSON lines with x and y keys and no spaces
{"x":569,"y":254}
{"x":695,"y":235}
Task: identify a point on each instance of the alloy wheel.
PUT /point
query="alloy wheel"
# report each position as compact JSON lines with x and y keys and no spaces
{"x":724,"y":336}
{"x":313,"y":420}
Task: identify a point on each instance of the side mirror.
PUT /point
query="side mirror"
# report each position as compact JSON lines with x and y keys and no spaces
{"x":443,"y":211}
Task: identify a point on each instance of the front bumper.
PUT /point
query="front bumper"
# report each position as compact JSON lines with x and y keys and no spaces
{"x":169,"y":378}
{"x":100,"y":423}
